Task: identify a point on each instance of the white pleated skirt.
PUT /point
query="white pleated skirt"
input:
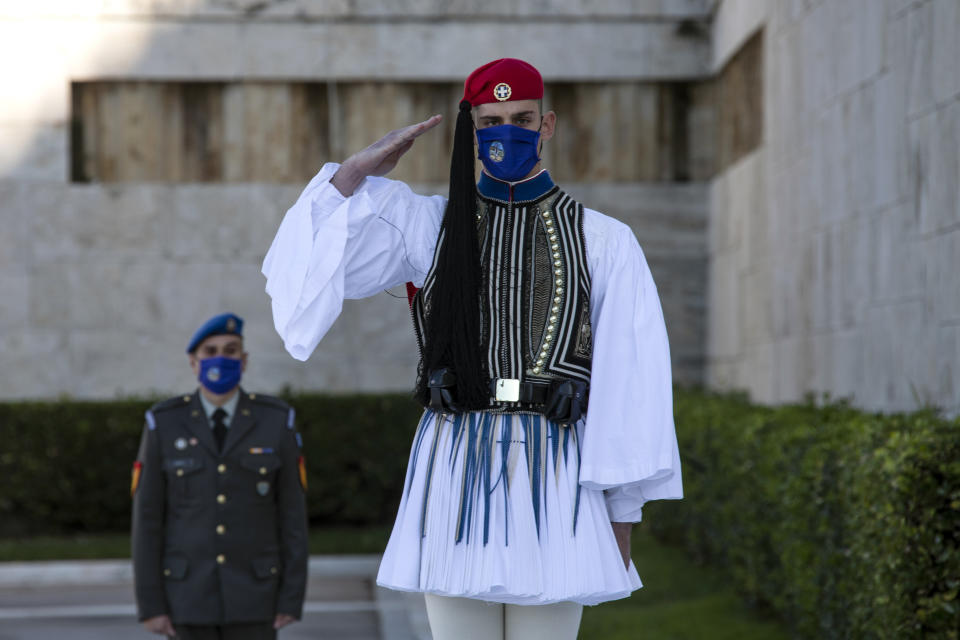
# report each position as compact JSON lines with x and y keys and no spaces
{"x":492,"y":509}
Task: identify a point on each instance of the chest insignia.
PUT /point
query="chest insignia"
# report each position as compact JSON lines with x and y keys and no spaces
{"x":261,"y":450}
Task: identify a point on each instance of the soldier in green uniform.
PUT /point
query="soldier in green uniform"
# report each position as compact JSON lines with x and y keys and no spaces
{"x":219,"y":517}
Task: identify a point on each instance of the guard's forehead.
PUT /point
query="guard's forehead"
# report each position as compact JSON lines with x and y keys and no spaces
{"x":507,"y":108}
{"x":221,"y":340}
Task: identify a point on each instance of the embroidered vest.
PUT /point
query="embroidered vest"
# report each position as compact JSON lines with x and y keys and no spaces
{"x":535,"y":296}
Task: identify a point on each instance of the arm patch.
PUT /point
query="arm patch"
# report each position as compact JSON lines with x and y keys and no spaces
{"x":151,"y":422}
{"x":302,"y":469}
{"x":135,"y":477}
{"x":290,"y":418}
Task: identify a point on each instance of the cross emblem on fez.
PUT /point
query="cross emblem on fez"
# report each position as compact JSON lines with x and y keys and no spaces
{"x":502,"y":91}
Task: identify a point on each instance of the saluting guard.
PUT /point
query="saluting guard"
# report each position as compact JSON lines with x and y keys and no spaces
{"x":219,"y":515}
{"x":531,"y":306}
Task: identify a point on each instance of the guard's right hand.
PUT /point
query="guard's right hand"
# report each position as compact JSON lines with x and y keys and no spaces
{"x":161,"y":625}
{"x":379,"y":158}
{"x":621,"y":531}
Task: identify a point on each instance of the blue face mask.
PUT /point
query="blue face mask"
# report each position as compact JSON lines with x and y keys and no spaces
{"x":508,"y":152}
{"x":220,"y":374}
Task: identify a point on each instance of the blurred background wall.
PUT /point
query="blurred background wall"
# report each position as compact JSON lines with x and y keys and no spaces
{"x":835,"y":244}
{"x":149,"y":148}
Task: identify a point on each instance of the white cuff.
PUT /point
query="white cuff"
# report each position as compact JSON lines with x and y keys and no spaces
{"x":624,"y":504}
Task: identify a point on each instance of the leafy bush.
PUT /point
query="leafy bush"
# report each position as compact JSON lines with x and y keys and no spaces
{"x":846,"y":523}
{"x":65,"y":465}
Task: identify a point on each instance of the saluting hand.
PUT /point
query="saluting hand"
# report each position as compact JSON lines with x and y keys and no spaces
{"x":161,"y":625}
{"x":379,"y":158}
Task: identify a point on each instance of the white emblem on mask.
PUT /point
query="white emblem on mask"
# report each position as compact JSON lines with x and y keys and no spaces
{"x":214,"y":374}
{"x":496,"y":151}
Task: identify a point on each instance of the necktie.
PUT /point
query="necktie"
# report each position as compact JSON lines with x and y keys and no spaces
{"x":219,"y":428}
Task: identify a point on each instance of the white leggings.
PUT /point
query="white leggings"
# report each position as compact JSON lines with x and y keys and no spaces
{"x":466,"y":619}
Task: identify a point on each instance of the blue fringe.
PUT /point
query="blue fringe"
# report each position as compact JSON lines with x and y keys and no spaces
{"x":415,"y":453}
{"x":576,"y":447}
{"x":505,"y":436}
{"x":426,"y":484}
{"x":473,"y":433}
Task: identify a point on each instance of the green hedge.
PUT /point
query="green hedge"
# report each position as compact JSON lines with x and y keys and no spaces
{"x":65,"y":466}
{"x":846,"y":523}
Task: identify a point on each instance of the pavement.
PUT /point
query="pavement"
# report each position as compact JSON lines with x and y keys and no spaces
{"x":93,"y":599}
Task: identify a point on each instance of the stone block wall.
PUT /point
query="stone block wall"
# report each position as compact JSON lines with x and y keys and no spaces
{"x":835,"y":246}
{"x":280,"y":132}
{"x":101,"y":284}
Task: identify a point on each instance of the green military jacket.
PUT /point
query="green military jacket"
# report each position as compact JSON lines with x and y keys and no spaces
{"x":219,"y":537}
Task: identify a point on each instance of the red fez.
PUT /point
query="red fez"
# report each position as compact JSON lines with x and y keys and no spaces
{"x":502,"y":80}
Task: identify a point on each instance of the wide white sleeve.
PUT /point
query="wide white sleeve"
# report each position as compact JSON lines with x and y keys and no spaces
{"x":629,"y":446}
{"x":330,"y":247}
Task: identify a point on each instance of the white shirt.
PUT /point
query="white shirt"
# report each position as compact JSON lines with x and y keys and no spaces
{"x":230,"y":407}
{"x":329,"y":248}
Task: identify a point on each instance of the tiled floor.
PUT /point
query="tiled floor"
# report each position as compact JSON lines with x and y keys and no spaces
{"x":342,"y":604}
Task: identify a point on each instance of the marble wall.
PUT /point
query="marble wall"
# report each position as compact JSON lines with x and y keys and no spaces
{"x":101,"y":285}
{"x":834,"y":247}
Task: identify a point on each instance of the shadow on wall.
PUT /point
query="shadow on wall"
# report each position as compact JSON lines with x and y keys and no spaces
{"x":152,"y":153}
{"x":103,"y":283}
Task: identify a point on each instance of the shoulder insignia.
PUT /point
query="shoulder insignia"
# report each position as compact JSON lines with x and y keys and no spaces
{"x":151,"y":421}
{"x":290,"y":418}
{"x":171,"y":403}
{"x":268,"y":401}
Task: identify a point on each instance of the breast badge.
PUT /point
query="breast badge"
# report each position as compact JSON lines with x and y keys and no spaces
{"x":261,"y":450}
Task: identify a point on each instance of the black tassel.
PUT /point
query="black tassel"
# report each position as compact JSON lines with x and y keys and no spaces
{"x":453,"y":324}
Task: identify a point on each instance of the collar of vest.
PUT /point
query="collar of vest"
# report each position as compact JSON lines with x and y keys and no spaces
{"x":524,"y":190}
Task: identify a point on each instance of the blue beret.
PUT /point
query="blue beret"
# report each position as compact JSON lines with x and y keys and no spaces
{"x":225,"y":323}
